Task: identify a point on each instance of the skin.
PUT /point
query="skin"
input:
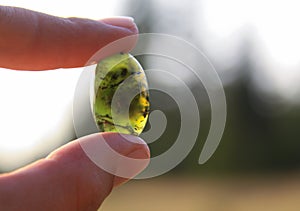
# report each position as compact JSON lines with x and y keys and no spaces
{"x":67,"y":179}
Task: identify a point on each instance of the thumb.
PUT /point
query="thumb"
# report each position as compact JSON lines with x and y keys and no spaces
{"x":68,"y":179}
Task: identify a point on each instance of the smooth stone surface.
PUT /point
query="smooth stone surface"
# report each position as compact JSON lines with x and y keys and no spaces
{"x":121,"y":102}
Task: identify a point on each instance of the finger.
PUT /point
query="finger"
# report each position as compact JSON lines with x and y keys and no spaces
{"x":35,"y":41}
{"x":67,"y":179}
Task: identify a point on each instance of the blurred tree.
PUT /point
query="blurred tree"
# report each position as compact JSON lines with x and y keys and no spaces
{"x":252,"y":141}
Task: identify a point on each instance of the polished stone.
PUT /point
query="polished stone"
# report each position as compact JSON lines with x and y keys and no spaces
{"x":121,"y":102}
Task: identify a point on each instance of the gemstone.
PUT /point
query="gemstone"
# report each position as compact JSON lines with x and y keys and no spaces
{"x":121,"y":102}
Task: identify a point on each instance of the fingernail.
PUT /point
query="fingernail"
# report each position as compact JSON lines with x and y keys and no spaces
{"x":121,"y":155}
{"x":123,"y":21}
{"x":132,"y":169}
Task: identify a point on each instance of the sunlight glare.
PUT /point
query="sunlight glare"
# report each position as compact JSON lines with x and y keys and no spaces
{"x":36,"y":106}
{"x":273,"y":29}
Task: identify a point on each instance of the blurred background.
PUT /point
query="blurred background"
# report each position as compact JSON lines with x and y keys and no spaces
{"x":254,"y":46}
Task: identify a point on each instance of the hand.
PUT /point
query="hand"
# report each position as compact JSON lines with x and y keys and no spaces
{"x":67,"y":179}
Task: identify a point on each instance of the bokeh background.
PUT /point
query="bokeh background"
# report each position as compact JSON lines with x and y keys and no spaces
{"x":254,"y":46}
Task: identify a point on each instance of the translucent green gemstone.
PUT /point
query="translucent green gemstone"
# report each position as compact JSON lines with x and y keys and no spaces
{"x":121,"y":102}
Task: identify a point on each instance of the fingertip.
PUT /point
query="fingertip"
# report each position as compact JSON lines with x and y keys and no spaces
{"x":118,"y":154}
{"x":101,"y":162}
{"x":37,"y":41}
{"x":78,"y":180}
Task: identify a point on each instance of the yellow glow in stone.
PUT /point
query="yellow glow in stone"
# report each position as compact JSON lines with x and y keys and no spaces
{"x":121,"y":102}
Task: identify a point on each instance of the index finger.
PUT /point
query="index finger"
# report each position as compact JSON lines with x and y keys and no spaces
{"x":31,"y":40}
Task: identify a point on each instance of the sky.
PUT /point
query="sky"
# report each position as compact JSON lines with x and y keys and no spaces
{"x":272,"y":28}
{"x":36,"y":107}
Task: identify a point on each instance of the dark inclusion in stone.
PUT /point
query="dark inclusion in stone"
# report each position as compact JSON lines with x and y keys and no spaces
{"x":121,"y":102}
